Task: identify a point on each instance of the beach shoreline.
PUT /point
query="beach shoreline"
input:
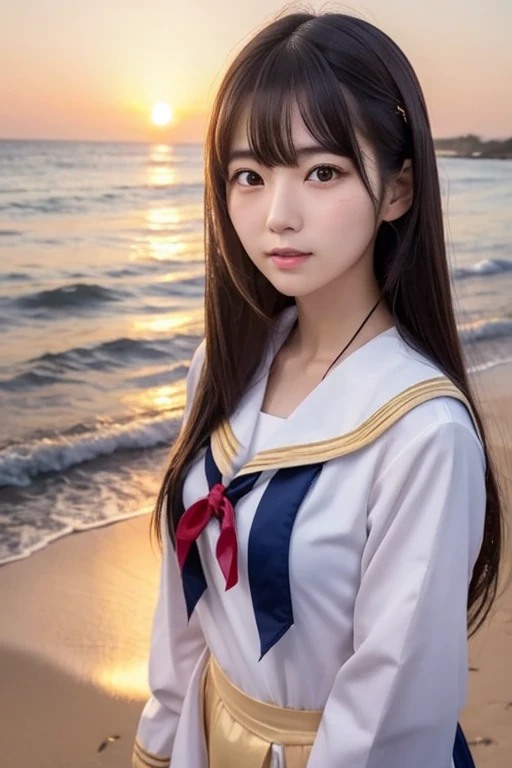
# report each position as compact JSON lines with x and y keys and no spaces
{"x":74,"y":645}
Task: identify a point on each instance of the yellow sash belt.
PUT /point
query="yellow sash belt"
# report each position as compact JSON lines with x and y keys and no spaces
{"x":240,"y":730}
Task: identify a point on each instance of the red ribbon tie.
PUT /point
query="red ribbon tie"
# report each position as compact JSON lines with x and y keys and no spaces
{"x":196,"y":518}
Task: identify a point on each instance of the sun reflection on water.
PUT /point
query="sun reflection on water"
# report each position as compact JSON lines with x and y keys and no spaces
{"x":172,"y":228}
{"x":163,"y":239}
{"x":163,"y":216}
{"x":167,"y":397}
{"x":162,"y":176}
{"x":189,"y":321}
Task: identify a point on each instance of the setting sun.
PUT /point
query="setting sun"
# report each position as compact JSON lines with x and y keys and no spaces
{"x":161,"y":114}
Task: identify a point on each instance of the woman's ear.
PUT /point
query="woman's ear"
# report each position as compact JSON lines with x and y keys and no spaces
{"x":400,"y":193}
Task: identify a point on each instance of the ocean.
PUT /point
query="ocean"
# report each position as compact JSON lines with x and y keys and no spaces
{"x":101,"y":308}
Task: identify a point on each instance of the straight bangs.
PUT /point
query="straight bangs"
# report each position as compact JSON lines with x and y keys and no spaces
{"x":290,"y":77}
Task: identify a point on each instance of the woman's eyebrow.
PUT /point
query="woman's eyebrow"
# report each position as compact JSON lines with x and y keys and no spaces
{"x":313,"y":149}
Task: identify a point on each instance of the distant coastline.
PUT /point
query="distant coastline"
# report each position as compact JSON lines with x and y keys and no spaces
{"x":473,"y":146}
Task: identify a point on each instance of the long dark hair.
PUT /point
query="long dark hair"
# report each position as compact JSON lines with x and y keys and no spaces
{"x":346,"y":76}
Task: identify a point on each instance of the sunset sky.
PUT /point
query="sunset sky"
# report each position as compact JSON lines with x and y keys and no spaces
{"x":93,"y":70}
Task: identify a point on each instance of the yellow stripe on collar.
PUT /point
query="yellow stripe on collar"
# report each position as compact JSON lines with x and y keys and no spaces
{"x":224,"y":441}
{"x":225,"y":447}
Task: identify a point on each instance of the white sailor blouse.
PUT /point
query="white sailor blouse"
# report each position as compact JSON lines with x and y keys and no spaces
{"x":333,"y":568}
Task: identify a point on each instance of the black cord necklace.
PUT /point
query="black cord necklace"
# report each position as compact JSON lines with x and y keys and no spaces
{"x":352,"y":339}
{"x":370,"y":313}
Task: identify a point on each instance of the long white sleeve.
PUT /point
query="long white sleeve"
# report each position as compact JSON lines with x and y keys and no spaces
{"x":396,"y":701}
{"x":175,"y":647}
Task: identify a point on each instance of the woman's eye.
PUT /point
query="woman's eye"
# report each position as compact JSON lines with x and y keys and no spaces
{"x":323,"y":170}
{"x":237,"y":175}
{"x":330,"y":170}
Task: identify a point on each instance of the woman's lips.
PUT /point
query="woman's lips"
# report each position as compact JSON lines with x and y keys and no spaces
{"x":287,"y":262}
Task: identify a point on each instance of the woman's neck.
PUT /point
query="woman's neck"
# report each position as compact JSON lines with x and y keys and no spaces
{"x":321,"y":330}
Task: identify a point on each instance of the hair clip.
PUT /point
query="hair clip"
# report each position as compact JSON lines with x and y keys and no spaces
{"x":401,"y":110}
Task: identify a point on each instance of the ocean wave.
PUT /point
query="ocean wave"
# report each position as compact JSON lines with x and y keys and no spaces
{"x":190,"y":286}
{"x":55,"y":367}
{"x":158,"y":379}
{"x":51,"y":205}
{"x":482,"y":268}
{"x":75,"y":295}
{"x":17,"y":548}
{"x":118,"y":351}
{"x":490,"y":365}
{"x":16,"y":276}
{"x":485,"y":330}
{"x":29,"y":380}
{"x":11,"y":232}
{"x":122,"y":272}
{"x":47,"y":241}
{"x":126,"y":194}
{"x":21,"y":463}
{"x":10,"y":190}
{"x":183,"y":187}
{"x":167,"y":162}
{"x":192,"y":256}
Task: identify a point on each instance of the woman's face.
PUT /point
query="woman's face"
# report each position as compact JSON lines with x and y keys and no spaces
{"x":325,"y":211}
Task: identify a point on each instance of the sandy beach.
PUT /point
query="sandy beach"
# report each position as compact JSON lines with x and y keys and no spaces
{"x":77,"y":619}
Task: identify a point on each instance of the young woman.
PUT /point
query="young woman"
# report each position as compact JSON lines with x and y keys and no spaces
{"x":330,"y":519}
